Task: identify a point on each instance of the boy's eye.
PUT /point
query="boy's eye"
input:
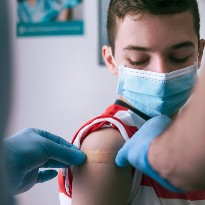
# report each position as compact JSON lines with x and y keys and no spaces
{"x":179,"y":60}
{"x":137,"y":63}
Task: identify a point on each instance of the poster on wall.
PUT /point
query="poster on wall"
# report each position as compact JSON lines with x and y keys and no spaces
{"x":49,"y":17}
{"x":103,"y":40}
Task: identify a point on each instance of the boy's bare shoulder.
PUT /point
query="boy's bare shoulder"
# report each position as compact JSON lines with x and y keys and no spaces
{"x":106,"y":138}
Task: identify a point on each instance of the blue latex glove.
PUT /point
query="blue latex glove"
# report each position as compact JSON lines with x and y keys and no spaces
{"x":135,"y":150}
{"x":31,"y":149}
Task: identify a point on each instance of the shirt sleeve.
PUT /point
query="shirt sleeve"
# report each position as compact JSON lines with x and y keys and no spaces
{"x":65,"y":176}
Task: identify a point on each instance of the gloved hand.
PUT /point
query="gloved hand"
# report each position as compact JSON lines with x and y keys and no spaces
{"x":31,"y":149}
{"x":135,"y":150}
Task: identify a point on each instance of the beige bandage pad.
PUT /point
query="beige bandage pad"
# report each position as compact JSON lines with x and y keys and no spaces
{"x":100,"y":156}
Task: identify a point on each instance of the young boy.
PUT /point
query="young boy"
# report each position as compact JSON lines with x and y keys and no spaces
{"x":155,"y":51}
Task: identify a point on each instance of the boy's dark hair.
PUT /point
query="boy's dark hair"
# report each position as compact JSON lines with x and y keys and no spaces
{"x":118,"y":9}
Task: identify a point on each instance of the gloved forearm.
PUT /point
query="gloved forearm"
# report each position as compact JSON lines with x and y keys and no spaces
{"x":135,"y":151}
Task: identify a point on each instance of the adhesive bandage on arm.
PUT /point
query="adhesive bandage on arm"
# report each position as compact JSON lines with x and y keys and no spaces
{"x":100,"y":156}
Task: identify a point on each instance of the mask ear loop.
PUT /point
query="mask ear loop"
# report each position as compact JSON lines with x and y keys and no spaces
{"x":196,"y":63}
{"x":113,"y":59}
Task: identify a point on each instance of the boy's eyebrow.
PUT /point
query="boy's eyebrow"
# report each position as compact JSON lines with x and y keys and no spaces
{"x":137,"y":48}
{"x":145,"y":49}
{"x":182,"y":45}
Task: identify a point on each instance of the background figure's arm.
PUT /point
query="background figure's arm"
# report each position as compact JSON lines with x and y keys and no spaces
{"x":102,"y":183}
{"x":179,"y":153}
{"x":65,"y":15}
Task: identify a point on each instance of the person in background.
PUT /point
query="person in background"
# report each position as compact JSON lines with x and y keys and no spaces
{"x":5,"y":93}
{"x":38,"y":11}
{"x":155,"y":51}
{"x":23,"y":154}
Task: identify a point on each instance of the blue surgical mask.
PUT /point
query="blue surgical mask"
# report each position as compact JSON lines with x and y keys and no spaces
{"x":156,"y":93}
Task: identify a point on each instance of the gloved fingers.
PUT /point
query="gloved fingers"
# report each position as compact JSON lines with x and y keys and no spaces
{"x":61,"y":150}
{"x":46,"y":175}
{"x":47,"y":146}
{"x":66,"y":155}
{"x":54,"y":164}
{"x":121,"y":159}
{"x":54,"y":138}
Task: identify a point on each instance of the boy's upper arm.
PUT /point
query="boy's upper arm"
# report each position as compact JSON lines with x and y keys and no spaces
{"x":107,"y":138}
{"x":101,"y":183}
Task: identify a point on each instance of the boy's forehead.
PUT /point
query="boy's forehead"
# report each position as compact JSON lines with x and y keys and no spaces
{"x":149,"y":27}
{"x":146,"y":18}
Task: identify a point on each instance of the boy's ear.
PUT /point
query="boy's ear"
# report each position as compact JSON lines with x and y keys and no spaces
{"x":106,"y":53}
{"x":201,"y":51}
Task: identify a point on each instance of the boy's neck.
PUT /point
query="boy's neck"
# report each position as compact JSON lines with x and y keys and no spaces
{"x":173,"y":117}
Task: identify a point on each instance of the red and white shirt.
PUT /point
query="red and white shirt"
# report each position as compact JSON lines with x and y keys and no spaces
{"x":144,"y":190}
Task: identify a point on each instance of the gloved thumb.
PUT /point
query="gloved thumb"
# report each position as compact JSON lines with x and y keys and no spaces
{"x":44,"y":176}
{"x":121,"y":159}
